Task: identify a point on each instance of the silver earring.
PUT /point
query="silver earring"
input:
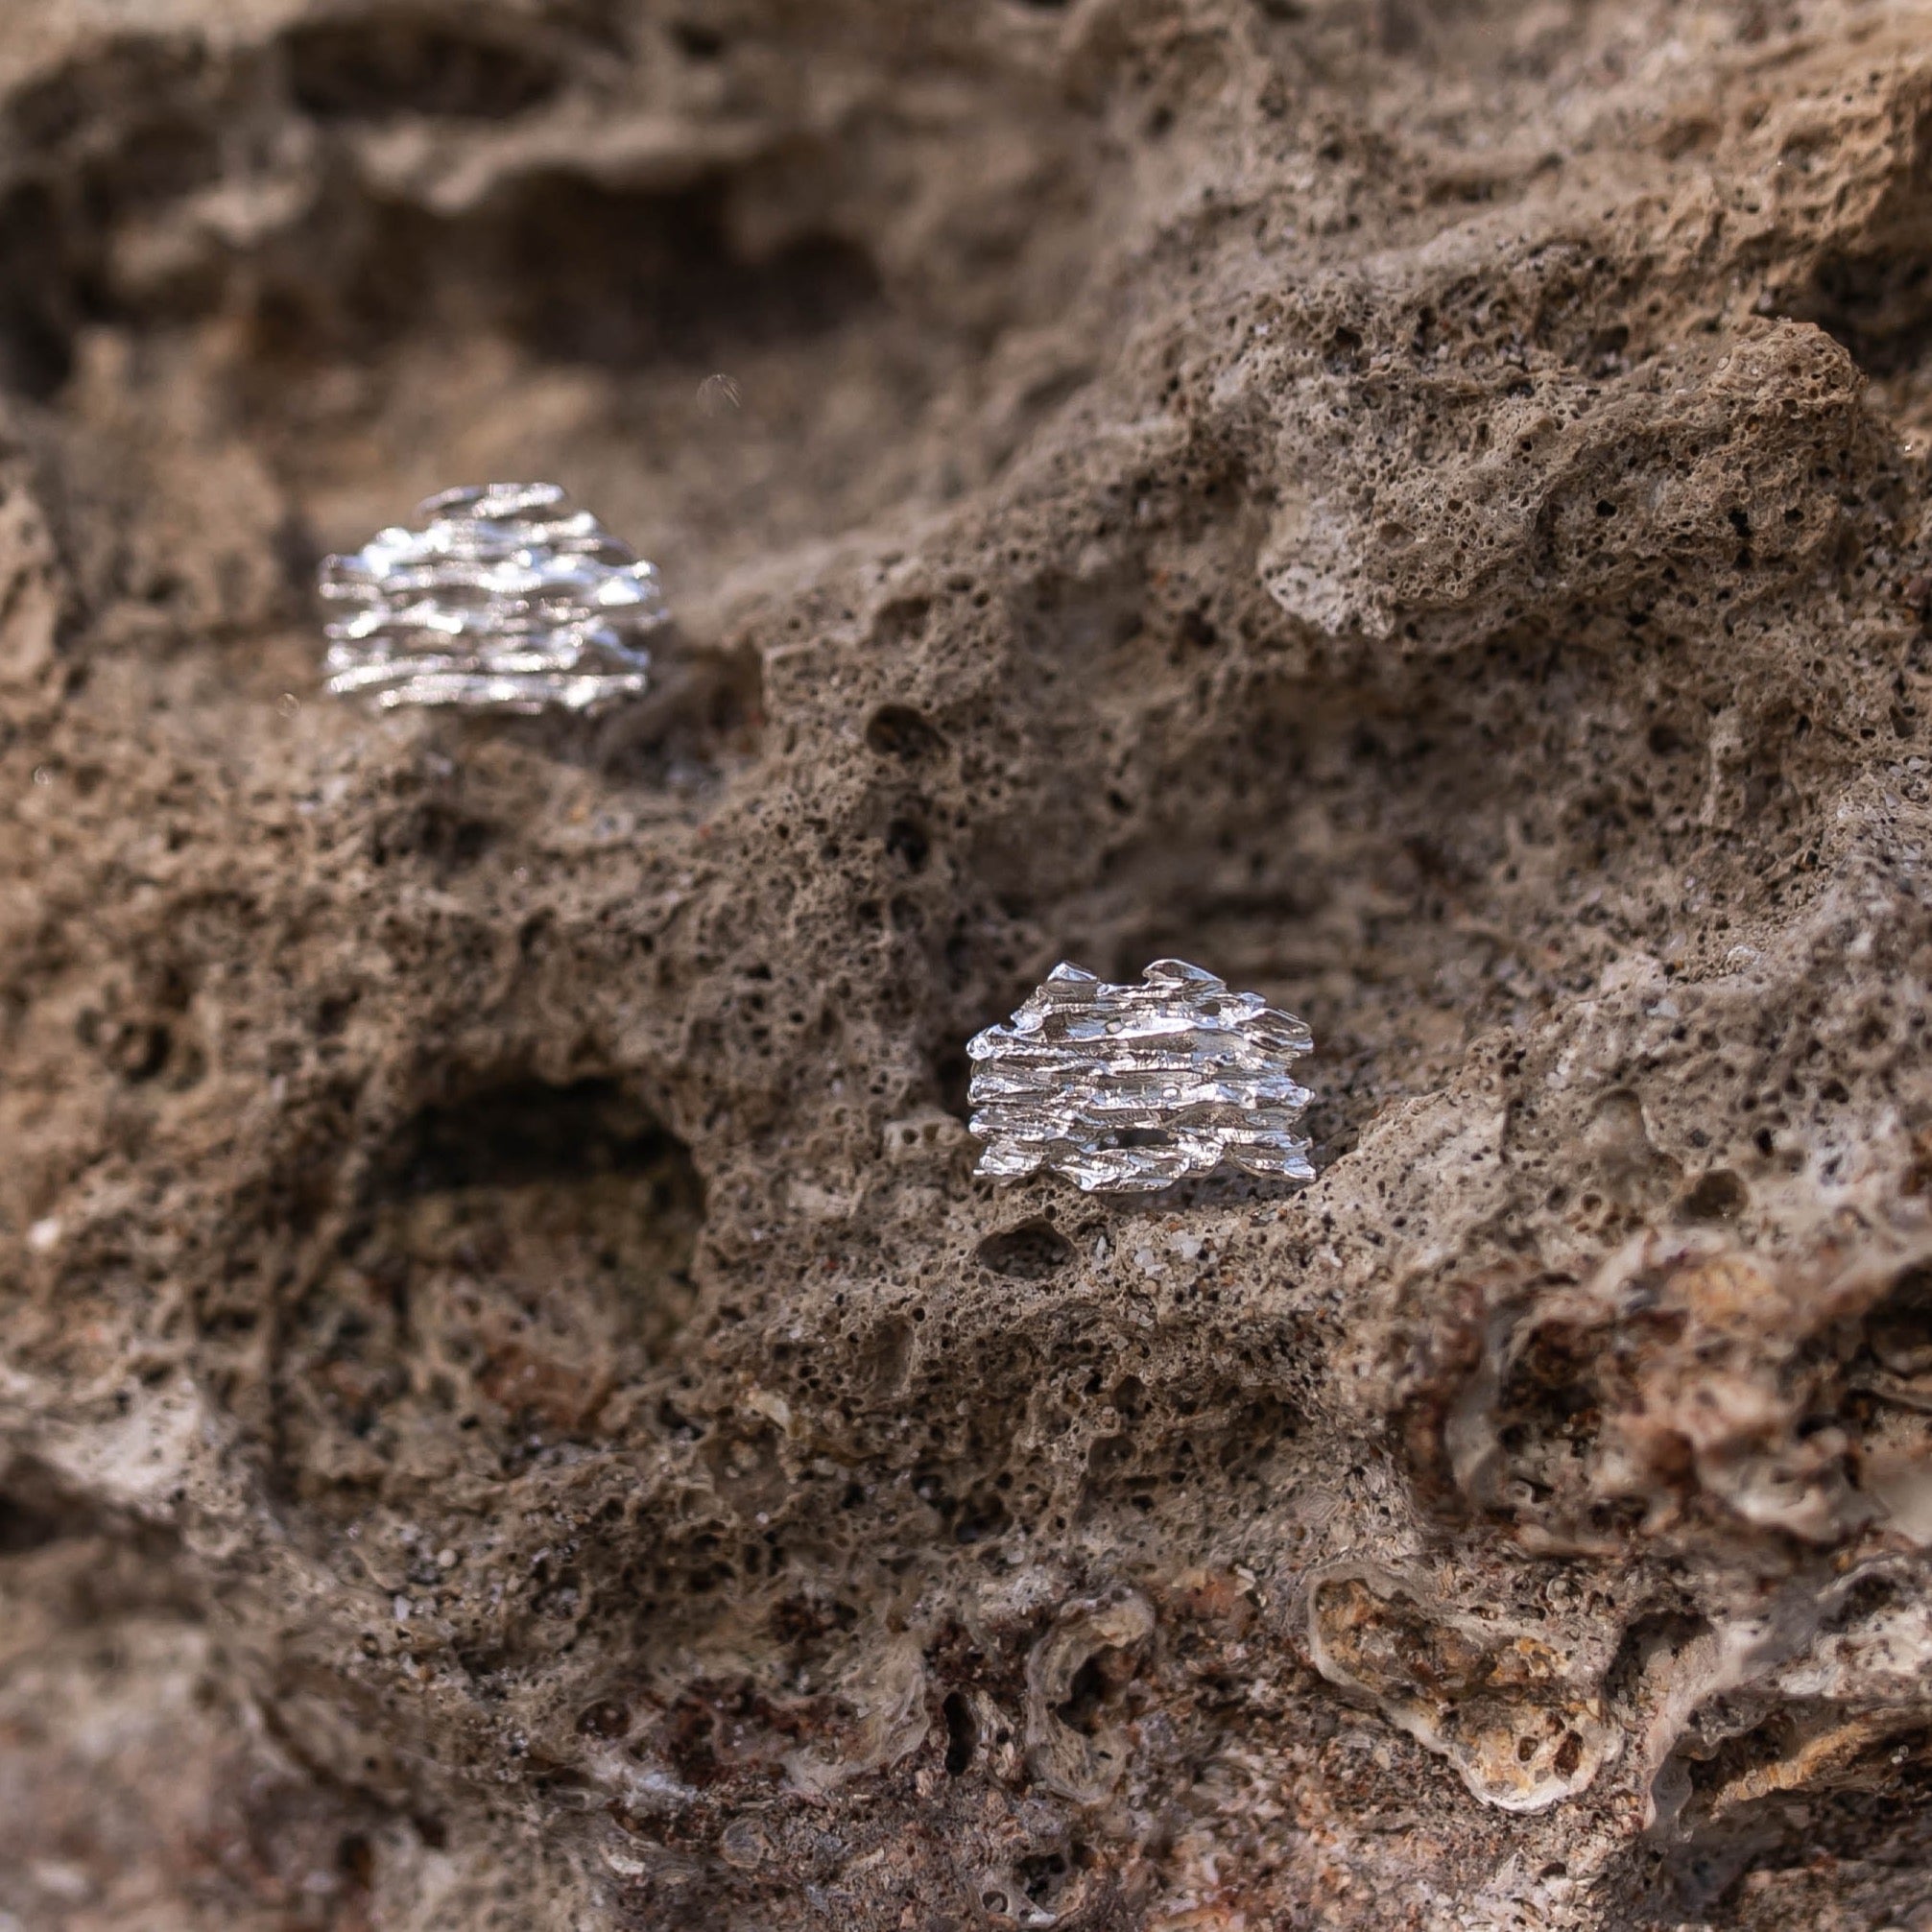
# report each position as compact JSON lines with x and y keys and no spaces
{"x":503,"y":600}
{"x":1128,"y":1089}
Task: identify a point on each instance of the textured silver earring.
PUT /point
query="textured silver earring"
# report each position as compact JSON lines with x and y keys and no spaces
{"x":503,"y":599}
{"x":1128,"y":1089}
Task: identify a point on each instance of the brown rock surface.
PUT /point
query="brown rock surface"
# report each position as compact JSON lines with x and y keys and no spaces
{"x":513,"y":1410}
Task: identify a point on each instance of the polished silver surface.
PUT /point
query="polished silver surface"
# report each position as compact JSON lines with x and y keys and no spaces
{"x":504,"y":598}
{"x":1129,"y":1088}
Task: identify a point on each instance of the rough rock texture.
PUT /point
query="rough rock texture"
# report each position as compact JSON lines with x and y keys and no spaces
{"x":513,"y":1410}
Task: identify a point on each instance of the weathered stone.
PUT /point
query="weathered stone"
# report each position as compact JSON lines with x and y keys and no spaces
{"x":514,"y":1409}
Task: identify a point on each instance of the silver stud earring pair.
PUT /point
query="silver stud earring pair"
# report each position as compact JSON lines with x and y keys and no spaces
{"x":503,"y":598}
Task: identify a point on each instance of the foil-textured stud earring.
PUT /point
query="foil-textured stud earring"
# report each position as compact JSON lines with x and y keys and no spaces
{"x":505,"y":599}
{"x":1128,"y":1089}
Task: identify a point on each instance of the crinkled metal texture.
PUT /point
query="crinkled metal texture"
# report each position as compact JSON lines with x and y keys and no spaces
{"x":1127,"y":1089}
{"x":505,"y":600}
{"x":515,"y":1409}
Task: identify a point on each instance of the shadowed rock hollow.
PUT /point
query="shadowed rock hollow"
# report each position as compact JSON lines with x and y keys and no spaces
{"x":514,"y":1409}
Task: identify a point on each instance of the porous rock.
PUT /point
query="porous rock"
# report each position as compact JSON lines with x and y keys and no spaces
{"x":515,"y":1410}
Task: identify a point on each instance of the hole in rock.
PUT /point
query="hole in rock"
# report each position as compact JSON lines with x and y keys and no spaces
{"x":355,"y":1860}
{"x":37,"y":306}
{"x":528,"y":1130}
{"x":1718,"y":1196}
{"x":907,"y":842}
{"x":952,"y":1078}
{"x":1808,"y":1786}
{"x":1898,"y":1331}
{"x":1647,"y":1653}
{"x":1257,"y":1428}
{"x":1085,"y":1695}
{"x":962,"y":1733}
{"x":898,"y":731}
{"x":697,"y":41}
{"x":1877,"y":305}
{"x":1548,"y":1418}
{"x":1045,"y":1876}
{"x":1095,"y":1686}
{"x":521,"y":1251}
{"x":1031,"y":1251}
{"x":382,"y":65}
{"x":622,"y":281}
{"x":440,"y":836}
{"x":31,"y":1516}
{"x":885,"y":1357}
{"x":979,"y":1518}
{"x":604,"y":1719}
